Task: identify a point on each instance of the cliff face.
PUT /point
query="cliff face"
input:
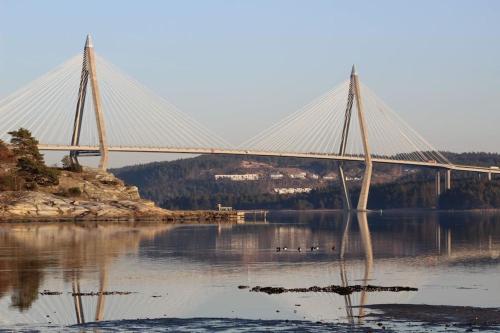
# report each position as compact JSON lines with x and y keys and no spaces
{"x":39,"y":205}
{"x":91,"y":194}
{"x":92,"y":184}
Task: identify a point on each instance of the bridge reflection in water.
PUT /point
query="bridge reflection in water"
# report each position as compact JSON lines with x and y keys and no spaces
{"x":193,"y":271}
{"x":78,"y":251}
{"x":368,"y":250}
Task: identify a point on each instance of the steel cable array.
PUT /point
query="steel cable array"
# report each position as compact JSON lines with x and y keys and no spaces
{"x":317,"y":128}
{"x":136,"y":117}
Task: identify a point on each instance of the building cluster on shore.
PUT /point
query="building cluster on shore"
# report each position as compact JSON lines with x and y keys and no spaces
{"x":275,"y":176}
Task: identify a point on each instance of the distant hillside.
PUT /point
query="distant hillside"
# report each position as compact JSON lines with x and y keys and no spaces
{"x":472,"y":194}
{"x":190,"y":183}
{"x":474,"y":158}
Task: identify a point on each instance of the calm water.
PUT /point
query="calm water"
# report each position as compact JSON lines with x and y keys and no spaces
{"x":183,"y":272}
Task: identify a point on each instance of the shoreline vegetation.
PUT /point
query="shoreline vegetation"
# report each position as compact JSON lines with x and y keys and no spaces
{"x":32,"y":191}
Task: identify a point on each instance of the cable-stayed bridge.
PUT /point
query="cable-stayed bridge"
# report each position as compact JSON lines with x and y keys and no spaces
{"x":87,"y":106}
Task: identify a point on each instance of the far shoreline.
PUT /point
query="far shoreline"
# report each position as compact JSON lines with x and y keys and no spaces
{"x":216,"y":217}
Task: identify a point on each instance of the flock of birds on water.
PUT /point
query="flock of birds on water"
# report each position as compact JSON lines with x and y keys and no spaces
{"x":299,"y":249}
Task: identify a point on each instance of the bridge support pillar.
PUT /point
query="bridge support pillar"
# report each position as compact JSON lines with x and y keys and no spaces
{"x":96,"y":97}
{"x":346,"y":201}
{"x":489,"y":175}
{"x":438,"y":184}
{"x":447,"y":179}
{"x":89,"y":73}
{"x":365,"y":186}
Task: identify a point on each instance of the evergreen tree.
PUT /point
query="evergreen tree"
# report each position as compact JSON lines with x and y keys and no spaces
{"x":30,"y":163}
{"x":25,"y":146}
{"x":68,"y":164}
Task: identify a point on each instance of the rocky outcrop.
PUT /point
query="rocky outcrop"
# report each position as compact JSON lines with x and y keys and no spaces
{"x":39,"y":205}
{"x":94,"y":184}
{"x":92,"y":195}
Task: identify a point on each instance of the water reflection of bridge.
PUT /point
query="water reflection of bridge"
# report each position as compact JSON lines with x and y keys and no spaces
{"x":422,"y":235}
{"x":25,"y":262}
{"x":76,"y":246}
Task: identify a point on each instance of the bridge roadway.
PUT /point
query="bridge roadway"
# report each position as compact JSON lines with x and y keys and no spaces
{"x":224,"y":151}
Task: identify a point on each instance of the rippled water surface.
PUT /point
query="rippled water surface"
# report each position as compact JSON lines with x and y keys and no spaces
{"x":186,"y":277}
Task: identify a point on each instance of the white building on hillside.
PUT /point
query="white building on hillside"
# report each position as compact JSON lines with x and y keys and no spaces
{"x":330,"y":176}
{"x":291,"y":190}
{"x":299,"y":175}
{"x":242,"y":177}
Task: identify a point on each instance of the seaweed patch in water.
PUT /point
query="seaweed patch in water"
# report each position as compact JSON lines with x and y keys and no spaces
{"x":50,"y":293}
{"x":105,"y":293}
{"x":330,"y":289}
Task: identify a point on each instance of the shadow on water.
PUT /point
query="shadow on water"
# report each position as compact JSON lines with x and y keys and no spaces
{"x":32,"y":256}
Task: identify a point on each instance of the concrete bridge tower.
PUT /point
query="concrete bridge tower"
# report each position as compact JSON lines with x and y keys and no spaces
{"x":365,"y":186}
{"x":355,"y":96}
{"x":89,"y":71}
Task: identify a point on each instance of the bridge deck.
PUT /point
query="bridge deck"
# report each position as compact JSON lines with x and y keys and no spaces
{"x":223,"y":151}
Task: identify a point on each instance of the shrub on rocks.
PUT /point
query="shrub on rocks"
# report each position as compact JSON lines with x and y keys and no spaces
{"x":69,"y":165}
{"x":8,"y":182}
{"x":74,"y":191}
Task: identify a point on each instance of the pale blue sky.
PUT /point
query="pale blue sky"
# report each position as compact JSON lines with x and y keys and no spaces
{"x":228,"y":63}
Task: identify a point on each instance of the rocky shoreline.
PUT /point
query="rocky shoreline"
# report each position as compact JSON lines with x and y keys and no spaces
{"x":94,"y":195}
{"x":30,"y":206}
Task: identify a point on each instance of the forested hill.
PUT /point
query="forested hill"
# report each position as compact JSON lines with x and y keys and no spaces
{"x":190,"y":183}
{"x":473,"y":158}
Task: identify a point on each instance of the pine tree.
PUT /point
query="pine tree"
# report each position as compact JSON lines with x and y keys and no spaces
{"x":30,"y":163}
{"x":26,"y":146}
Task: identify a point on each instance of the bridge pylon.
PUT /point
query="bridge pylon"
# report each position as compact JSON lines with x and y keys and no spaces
{"x":89,"y":71}
{"x":355,"y":96}
{"x":367,"y":177}
{"x":346,"y":200}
